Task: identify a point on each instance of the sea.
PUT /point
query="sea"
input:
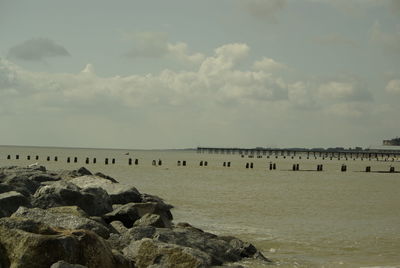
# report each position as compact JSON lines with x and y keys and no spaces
{"x":304,"y":218}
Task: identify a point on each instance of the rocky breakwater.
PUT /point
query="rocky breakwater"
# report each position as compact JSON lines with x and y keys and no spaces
{"x":79,"y":219}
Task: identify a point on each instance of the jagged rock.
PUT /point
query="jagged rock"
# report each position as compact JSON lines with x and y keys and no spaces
{"x":94,"y":201}
{"x":221,"y":249}
{"x":122,"y":240}
{"x":119,"y":193}
{"x":150,"y":253}
{"x":127,"y":214}
{"x":119,"y":226}
{"x":63,"y":264}
{"x":57,"y":218}
{"x":22,"y":184}
{"x":131,"y":212}
{"x":31,"y":244}
{"x":99,"y":174}
{"x":150,"y":220}
{"x":10,"y":202}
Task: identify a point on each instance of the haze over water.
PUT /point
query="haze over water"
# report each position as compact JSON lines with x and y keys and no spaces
{"x":299,"y":219}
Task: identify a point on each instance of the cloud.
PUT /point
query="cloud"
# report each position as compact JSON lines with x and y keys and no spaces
{"x":343,"y":91}
{"x":263,"y":9}
{"x":269,"y":65}
{"x":156,"y":45}
{"x":335,"y":39}
{"x":393,"y":86}
{"x":37,"y":49}
{"x":390,"y":42}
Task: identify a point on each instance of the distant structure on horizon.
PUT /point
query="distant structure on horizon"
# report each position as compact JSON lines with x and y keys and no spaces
{"x":392,"y":142}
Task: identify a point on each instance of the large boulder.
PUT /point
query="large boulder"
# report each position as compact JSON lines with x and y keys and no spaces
{"x":129,"y":213}
{"x":221,"y":249}
{"x":22,"y":184}
{"x":94,"y":201}
{"x":150,"y":253}
{"x":10,"y":202}
{"x":29,"y":244}
{"x":119,"y":193}
{"x":60,"y":218}
{"x":63,"y":264}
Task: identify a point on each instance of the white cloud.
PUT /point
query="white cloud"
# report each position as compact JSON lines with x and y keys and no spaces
{"x":37,"y":49}
{"x":393,"y":86}
{"x":343,"y":91}
{"x":269,"y":65}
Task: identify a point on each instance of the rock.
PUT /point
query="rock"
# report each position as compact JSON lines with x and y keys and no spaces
{"x":119,"y":193}
{"x":127,"y":214}
{"x":150,"y":220}
{"x":131,"y":212}
{"x":150,"y":253}
{"x":63,"y":264}
{"x":57,"y":218}
{"x":38,"y":246}
{"x":122,"y":240}
{"x":5,"y":188}
{"x":219,"y":249}
{"x":99,"y":174}
{"x":10,"y":202}
{"x":22,"y":184}
{"x":119,"y":226}
{"x":84,"y":171}
{"x":94,"y":201}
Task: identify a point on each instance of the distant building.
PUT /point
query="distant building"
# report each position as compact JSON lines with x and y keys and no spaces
{"x":392,"y":142}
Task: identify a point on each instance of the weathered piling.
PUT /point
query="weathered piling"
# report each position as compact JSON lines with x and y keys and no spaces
{"x":94,"y":160}
{"x":251,"y":165}
{"x":184,"y":163}
{"x":178,"y":163}
{"x":48,"y":158}
{"x":228,"y":164}
{"x":159,"y":162}
{"x":87,"y":160}
{"x":68,"y":159}
{"x":113,"y":161}
{"x":106,"y":161}
{"x":201,"y":163}
{"x":130,"y":161}
{"x":343,"y":168}
{"x":28,"y":157}
{"x":75,"y":159}
{"x":37,"y":157}
{"x":153,"y":163}
{"x":55,"y":158}
{"x":247,"y":165}
{"x":368,"y":169}
{"x":205,"y":163}
{"x":136,"y":161}
{"x":391,"y":170}
{"x":17,"y":157}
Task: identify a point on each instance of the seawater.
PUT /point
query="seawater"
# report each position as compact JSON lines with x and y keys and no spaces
{"x":297,"y":218}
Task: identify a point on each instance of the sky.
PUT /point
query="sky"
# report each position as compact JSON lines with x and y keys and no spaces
{"x":184,"y":73}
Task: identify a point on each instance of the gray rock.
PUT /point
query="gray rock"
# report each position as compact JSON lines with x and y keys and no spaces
{"x":22,"y":184}
{"x":127,"y":214}
{"x":60,"y":219}
{"x":150,"y":220}
{"x":63,"y":264}
{"x":94,"y":201}
{"x":10,"y":202}
{"x":122,"y":240}
{"x":221,"y":249}
{"x":38,"y":246}
{"x":150,"y":253}
{"x":119,"y":193}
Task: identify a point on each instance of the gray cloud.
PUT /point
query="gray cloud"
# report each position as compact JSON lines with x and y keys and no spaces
{"x":148,"y":44}
{"x":335,"y":39}
{"x":390,"y":42}
{"x":37,"y":49}
{"x":263,"y":9}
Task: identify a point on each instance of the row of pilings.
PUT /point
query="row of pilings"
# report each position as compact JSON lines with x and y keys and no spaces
{"x":202,"y":163}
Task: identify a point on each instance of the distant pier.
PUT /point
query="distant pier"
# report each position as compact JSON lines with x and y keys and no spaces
{"x":323,"y":153}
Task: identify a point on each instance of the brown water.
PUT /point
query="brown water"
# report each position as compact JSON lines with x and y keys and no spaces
{"x":299,"y":219}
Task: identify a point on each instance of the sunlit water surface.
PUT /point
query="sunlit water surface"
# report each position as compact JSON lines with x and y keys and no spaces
{"x":298,"y":219}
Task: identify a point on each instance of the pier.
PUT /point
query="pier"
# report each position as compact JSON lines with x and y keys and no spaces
{"x":299,"y":152}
